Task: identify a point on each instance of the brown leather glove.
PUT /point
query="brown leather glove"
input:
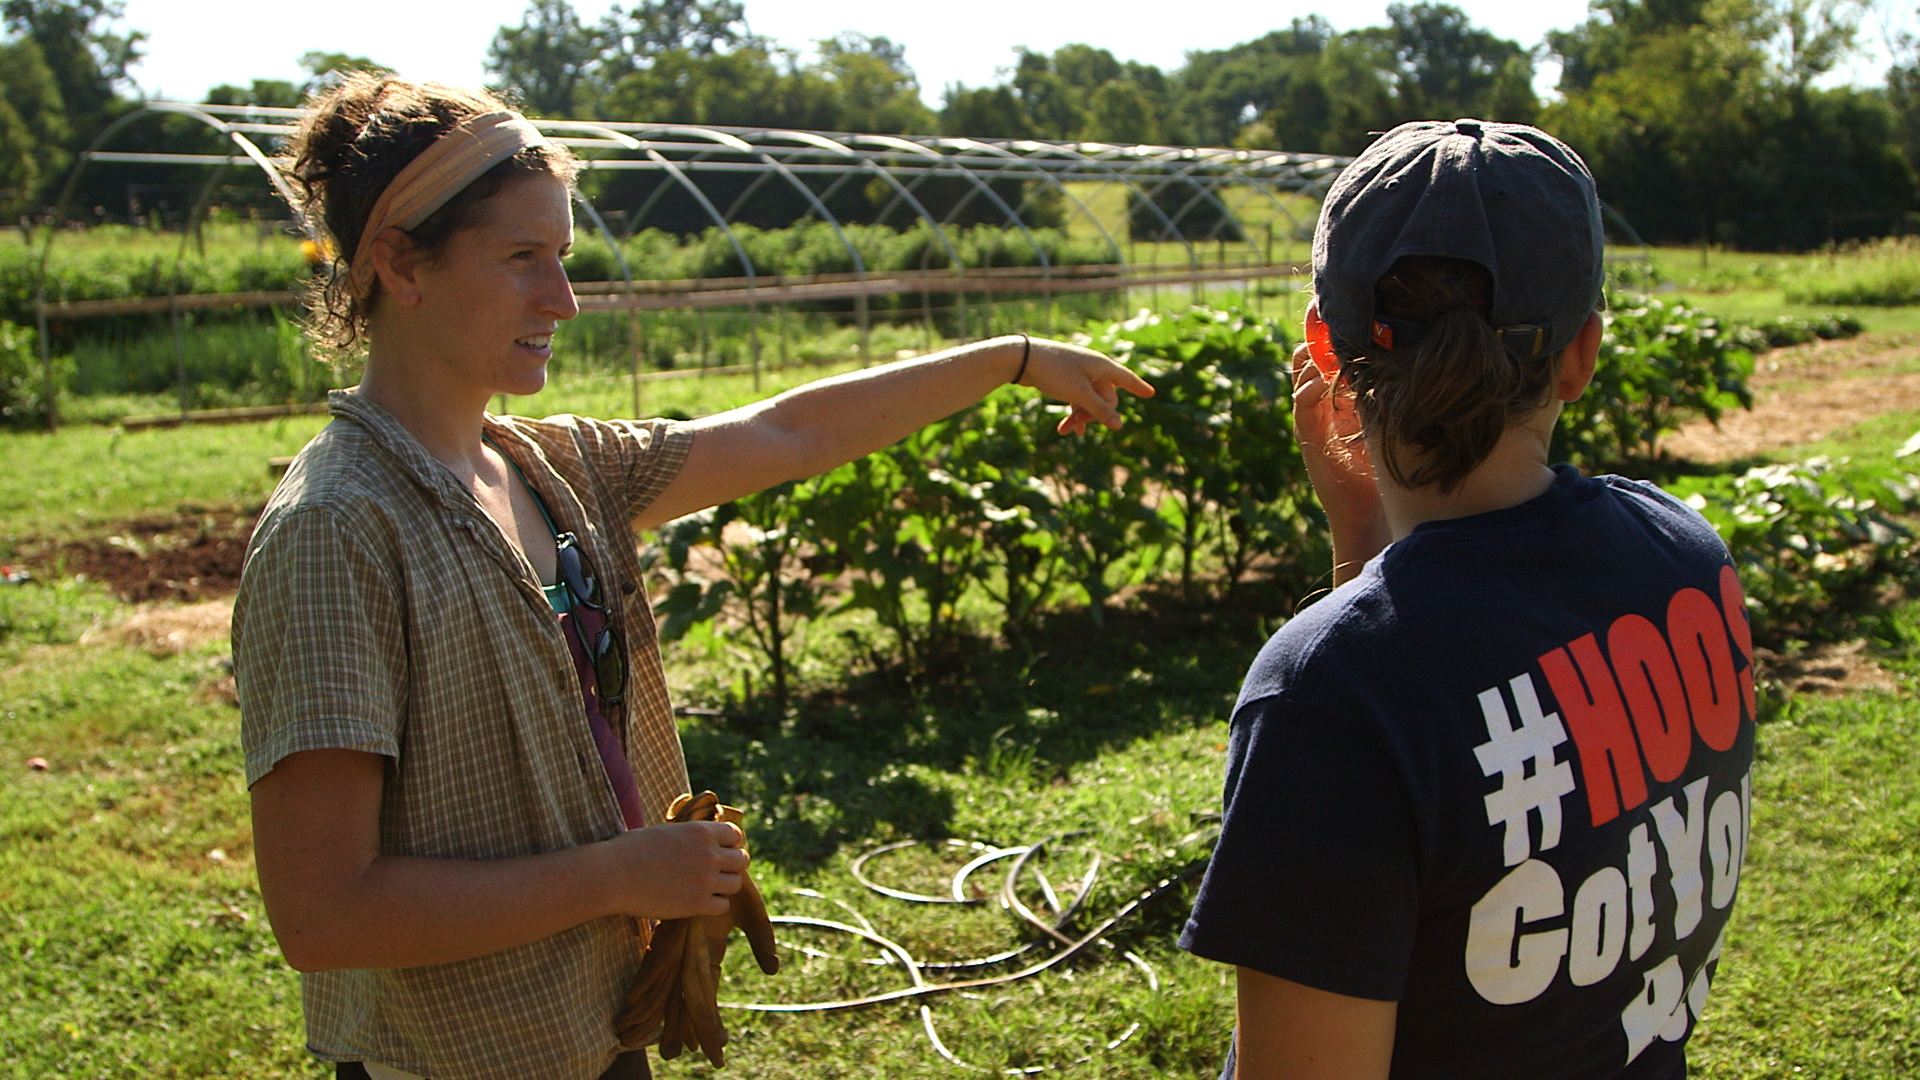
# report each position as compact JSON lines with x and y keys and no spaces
{"x":674,"y":1001}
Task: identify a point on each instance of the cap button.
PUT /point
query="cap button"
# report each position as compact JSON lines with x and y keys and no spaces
{"x":1467,"y":127}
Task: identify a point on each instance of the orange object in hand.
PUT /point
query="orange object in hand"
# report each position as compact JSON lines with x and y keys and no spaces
{"x":674,"y":1000}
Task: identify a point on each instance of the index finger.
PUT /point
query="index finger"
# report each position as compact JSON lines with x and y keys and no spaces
{"x":1131,"y":382}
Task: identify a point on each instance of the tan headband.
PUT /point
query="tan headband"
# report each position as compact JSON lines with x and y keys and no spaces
{"x":442,"y":171}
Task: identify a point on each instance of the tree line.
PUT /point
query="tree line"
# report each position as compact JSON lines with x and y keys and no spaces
{"x":1704,"y":120}
{"x":1305,"y":87}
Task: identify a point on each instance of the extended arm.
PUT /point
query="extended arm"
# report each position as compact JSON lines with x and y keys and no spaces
{"x":336,"y":902}
{"x":1288,"y":1031}
{"x":813,"y":428}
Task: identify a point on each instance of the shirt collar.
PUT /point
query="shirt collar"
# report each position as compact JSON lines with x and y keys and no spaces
{"x":393,"y":438}
{"x":427,"y":471}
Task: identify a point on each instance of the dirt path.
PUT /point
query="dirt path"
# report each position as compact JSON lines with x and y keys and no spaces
{"x":186,"y":558}
{"x":1803,"y":395}
{"x":1808,"y":392}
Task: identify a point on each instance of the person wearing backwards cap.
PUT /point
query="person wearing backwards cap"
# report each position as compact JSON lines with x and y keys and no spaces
{"x":457,"y":735}
{"x":1486,"y":802}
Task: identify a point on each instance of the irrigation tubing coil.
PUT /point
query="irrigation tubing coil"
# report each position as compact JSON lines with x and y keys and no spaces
{"x":1052,"y":933}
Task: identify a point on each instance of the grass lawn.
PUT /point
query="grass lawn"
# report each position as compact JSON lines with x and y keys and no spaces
{"x":87,"y":477}
{"x":135,"y":944}
{"x":135,"y":941}
{"x":1821,"y":975}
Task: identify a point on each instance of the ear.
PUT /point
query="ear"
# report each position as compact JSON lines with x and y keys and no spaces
{"x":1577,"y":360}
{"x":396,"y":261}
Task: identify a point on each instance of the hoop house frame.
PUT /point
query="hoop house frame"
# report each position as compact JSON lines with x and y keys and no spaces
{"x":1162,"y":185}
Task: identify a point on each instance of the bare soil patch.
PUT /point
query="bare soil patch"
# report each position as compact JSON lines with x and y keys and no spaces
{"x":191,"y":557}
{"x":170,"y":629}
{"x":1806,"y":393}
{"x":1829,"y":670}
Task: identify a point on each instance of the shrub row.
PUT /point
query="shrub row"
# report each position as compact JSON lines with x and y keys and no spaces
{"x":1203,"y":492}
{"x":127,"y":263}
{"x":993,"y":506}
{"x":1660,"y":363}
{"x":78,"y":270}
{"x":1784,"y":330}
{"x":1815,"y":546}
{"x":814,"y":247}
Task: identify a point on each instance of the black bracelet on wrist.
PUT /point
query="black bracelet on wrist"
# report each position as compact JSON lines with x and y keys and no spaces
{"x":1026,"y":350}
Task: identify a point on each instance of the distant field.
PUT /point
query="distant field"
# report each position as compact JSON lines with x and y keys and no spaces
{"x":114,"y":366}
{"x":1751,"y":286}
{"x":1279,"y":227}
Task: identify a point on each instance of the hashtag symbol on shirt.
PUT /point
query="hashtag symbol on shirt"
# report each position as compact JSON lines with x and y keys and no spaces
{"x":1522,"y":755}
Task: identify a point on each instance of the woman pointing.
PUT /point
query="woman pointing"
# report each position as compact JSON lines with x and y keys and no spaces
{"x":456,"y":725}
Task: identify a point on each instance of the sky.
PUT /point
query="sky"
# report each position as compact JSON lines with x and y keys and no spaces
{"x":193,"y":45}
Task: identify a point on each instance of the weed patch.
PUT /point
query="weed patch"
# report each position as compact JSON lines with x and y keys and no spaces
{"x":1885,"y":273}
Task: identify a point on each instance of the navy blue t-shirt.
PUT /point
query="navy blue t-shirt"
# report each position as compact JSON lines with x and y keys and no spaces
{"x":1501,"y":777}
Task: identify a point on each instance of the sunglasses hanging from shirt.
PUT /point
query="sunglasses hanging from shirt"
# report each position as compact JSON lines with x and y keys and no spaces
{"x":579,"y":588}
{"x":608,"y":653}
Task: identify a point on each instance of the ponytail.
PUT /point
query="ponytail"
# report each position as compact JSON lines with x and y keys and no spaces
{"x":1437,"y":408}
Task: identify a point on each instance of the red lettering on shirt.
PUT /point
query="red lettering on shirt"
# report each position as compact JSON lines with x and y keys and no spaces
{"x":1651,"y":685}
{"x":1705,"y":658}
{"x":1635,"y":709}
{"x":1733,"y":604}
{"x":1583,"y":684}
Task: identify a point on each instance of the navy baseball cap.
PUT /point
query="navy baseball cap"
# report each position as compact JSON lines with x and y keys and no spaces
{"x":1510,"y":197}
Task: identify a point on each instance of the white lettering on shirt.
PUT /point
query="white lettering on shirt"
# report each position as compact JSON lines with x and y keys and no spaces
{"x":1506,"y":965}
{"x":1599,"y":927}
{"x":1641,"y":864}
{"x":1726,"y":847}
{"x":1680,"y":835}
{"x":1524,"y":926}
{"x":1659,"y":1009}
{"x":1522,"y":755}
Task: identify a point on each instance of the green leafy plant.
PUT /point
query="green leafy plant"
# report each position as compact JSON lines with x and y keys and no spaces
{"x":1217,"y":436}
{"x":993,"y":502}
{"x":1783,"y":330}
{"x":761,"y":548}
{"x":1019,"y":529}
{"x":24,"y":402}
{"x":909,"y":521}
{"x":1110,"y":536}
{"x":1660,"y":364}
{"x":1813,"y":544}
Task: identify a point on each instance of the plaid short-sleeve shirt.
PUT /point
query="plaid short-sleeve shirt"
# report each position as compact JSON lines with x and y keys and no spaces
{"x":382,"y":610}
